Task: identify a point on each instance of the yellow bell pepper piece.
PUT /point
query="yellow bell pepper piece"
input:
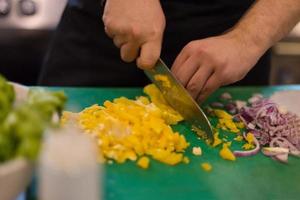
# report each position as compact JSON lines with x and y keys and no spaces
{"x":226,"y":153}
{"x":143,"y":162}
{"x":206,"y":166}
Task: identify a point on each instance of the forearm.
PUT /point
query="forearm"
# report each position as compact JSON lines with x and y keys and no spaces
{"x":266,"y":22}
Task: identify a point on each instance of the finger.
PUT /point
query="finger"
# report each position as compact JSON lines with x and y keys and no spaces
{"x":119,"y":40}
{"x":186,"y":71}
{"x":112,"y":30}
{"x":183,"y":55}
{"x":129,"y":51}
{"x":149,"y":54}
{"x":196,"y":83}
{"x":212,"y":84}
{"x":180,"y":59}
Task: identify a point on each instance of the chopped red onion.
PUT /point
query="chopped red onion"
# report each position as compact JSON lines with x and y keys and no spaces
{"x":281,"y":157}
{"x":231,"y":108}
{"x":225,"y":96}
{"x":273,"y":151}
{"x":255,"y":98}
{"x":271,"y":126}
{"x":217,"y":105}
{"x":239,"y":104}
{"x":250,"y":152}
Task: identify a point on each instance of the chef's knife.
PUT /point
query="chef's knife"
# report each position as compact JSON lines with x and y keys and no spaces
{"x":178,"y":97}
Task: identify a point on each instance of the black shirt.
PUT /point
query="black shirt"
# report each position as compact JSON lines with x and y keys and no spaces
{"x":82,"y":50}
{"x":202,"y":6}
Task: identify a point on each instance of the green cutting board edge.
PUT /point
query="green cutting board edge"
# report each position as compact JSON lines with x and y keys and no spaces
{"x":254,"y":178}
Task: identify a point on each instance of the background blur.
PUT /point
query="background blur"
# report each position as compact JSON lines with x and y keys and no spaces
{"x":26,"y":27}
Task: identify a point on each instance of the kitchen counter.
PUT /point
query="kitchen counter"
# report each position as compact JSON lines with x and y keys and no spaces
{"x":256,"y":177}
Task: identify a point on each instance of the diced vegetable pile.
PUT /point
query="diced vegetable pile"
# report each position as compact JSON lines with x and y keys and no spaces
{"x":134,"y":129}
{"x":268,"y":127}
{"x":274,"y":128}
{"x":140,"y":129}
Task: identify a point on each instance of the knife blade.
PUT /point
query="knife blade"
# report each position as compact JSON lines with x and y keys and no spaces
{"x":179,"y":98}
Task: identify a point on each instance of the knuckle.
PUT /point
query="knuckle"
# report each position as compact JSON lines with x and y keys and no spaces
{"x":104,"y":18}
{"x":201,"y":52}
{"x":155,"y":31}
{"x":109,"y":25}
{"x":115,"y":27}
{"x":220,"y":62}
{"x":194,"y":48}
{"x":135,"y":32}
{"x":189,"y":46}
{"x":192,"y":87}
{"x":107,"y":21}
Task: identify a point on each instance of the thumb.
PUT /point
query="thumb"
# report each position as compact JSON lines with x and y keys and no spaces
{"x":150,"y":52}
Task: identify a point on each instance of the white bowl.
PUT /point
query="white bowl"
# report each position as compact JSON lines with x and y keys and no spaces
{"x":15,"y":174}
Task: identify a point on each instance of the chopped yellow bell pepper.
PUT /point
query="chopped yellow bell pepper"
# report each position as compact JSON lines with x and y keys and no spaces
{"x":226,"y":121}
{"x":127,"y":129}
{"x":217,"y":140}
{"x":168,"y":113}
{"x":206,"y":167}
{"x":250,"y":138}
{"x":186,"y":160}
{"x":164,"y":79}
{"x":250,"y":141}
{"x":240,"y":125}
{"x":143,"y":162}
{"x":239,"y":138}
{"x":226,"y":153}
{"x":222,"y":114}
